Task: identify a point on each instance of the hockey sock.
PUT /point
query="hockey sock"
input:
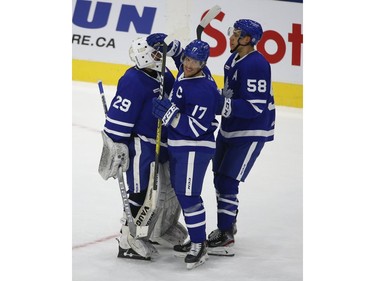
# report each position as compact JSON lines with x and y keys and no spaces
{"x":227,"y":201}
{"x":195,"y":217}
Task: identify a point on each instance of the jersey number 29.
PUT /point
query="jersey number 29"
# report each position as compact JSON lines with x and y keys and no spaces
{"x":122,"y":104}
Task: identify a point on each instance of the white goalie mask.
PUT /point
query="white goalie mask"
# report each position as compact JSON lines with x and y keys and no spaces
{"x":145,"y":56}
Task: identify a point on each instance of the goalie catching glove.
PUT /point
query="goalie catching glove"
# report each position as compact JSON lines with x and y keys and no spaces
{"x":156,"y":40}
{"x":165,"y":110}
{"x":113,"y":155}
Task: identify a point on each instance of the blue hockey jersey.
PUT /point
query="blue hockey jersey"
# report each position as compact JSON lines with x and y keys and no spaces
{"x":197,"y":98}
{"x":247,"y":81}
{"x":130,"y":112}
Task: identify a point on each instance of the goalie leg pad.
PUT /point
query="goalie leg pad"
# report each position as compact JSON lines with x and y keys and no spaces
{"x":142,"y":247}
{"x":167,"y":230}
{"x":175,"y":235}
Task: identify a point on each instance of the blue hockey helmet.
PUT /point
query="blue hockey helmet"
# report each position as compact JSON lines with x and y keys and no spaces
{"x":198,"y":50}
{"x":250,"y":28}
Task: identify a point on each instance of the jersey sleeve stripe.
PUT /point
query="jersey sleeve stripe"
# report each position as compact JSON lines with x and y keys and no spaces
{"x":125,"y":124}
{"x":116,"y":133}
{"x":253,"y":102}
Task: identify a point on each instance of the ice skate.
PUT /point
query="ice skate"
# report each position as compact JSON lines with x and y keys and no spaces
{"x":197,"y":255}
{"x":220,"y":243}
{"x":182,"y":250}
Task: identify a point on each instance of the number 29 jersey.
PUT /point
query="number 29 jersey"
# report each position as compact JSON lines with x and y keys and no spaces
{"x":130,"y":113}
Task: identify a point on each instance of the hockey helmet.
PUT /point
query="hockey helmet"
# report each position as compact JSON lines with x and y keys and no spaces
{"x":250,"y":28}
{"x":197,"y":50}
{"x":145,"y":56}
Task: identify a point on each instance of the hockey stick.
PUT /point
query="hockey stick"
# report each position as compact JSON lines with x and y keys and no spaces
{"x":158,"y":130}
{"x":211,"y":14}
{"x":120,"y":177}
{"x":101,"y":91}
{"x":148,"y":209}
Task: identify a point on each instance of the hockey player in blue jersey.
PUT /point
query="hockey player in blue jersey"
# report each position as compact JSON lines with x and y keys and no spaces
{"x":130,"y":131}
{"x":248,"y":121}
{"x":189,"y":114}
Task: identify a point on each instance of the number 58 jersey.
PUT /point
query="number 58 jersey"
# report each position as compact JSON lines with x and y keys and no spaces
{"x":247,"y":82}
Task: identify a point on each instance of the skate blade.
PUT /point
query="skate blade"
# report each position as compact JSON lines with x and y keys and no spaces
{"x":192,"y":265}
{"x":221,"y":251}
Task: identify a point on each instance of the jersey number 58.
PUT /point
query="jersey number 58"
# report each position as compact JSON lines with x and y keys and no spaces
{"x":254,"y":85}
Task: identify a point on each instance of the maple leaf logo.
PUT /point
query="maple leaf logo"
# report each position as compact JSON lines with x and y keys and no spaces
{"x":227,"y":92}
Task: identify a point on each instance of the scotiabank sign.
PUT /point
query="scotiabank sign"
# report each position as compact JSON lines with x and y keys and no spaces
{"x":103,"y":30}
{"x":295,"y":39}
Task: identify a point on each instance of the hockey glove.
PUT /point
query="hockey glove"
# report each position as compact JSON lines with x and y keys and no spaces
{"x":165,"y":110}
{"x":113,"y":155}
{"x":156,"y":40}
{"x":224,"y":107}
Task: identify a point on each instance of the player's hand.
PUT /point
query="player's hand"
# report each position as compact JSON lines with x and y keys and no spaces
{"x":224,"y":107}
{"x":156,"y":40}
{"x":165,"y":110}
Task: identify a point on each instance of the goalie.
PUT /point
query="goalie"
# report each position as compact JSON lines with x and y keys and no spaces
{"x":129,"y":141}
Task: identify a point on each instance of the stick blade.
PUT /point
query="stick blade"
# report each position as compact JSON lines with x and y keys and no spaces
{"x":211,"y":14}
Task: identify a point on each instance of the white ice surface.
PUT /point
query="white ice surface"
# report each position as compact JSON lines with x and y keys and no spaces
{"x":269,"y":239}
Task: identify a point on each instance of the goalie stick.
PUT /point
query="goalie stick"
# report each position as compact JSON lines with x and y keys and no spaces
{"x":148,"y":210}
{"x":211,"y":14}
{"x":120,"y":177}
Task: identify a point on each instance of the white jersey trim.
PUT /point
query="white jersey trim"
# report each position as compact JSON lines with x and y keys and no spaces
{"x":176,"y":143}
{"x":153,"y":141}
{"x":247,"y":133}
{"x":116,"y":133}
{"x":125,"y":124}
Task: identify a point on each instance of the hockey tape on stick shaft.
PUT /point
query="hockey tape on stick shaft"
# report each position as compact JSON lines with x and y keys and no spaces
{"x":120,"y":176}
{"x":211,"y":14}
{"x":100,"y":84}
{"x":125,"y":201}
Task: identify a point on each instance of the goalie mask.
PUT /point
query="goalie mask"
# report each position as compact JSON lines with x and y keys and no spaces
{"x":247,"y":28}
{"x":145,"y":56}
